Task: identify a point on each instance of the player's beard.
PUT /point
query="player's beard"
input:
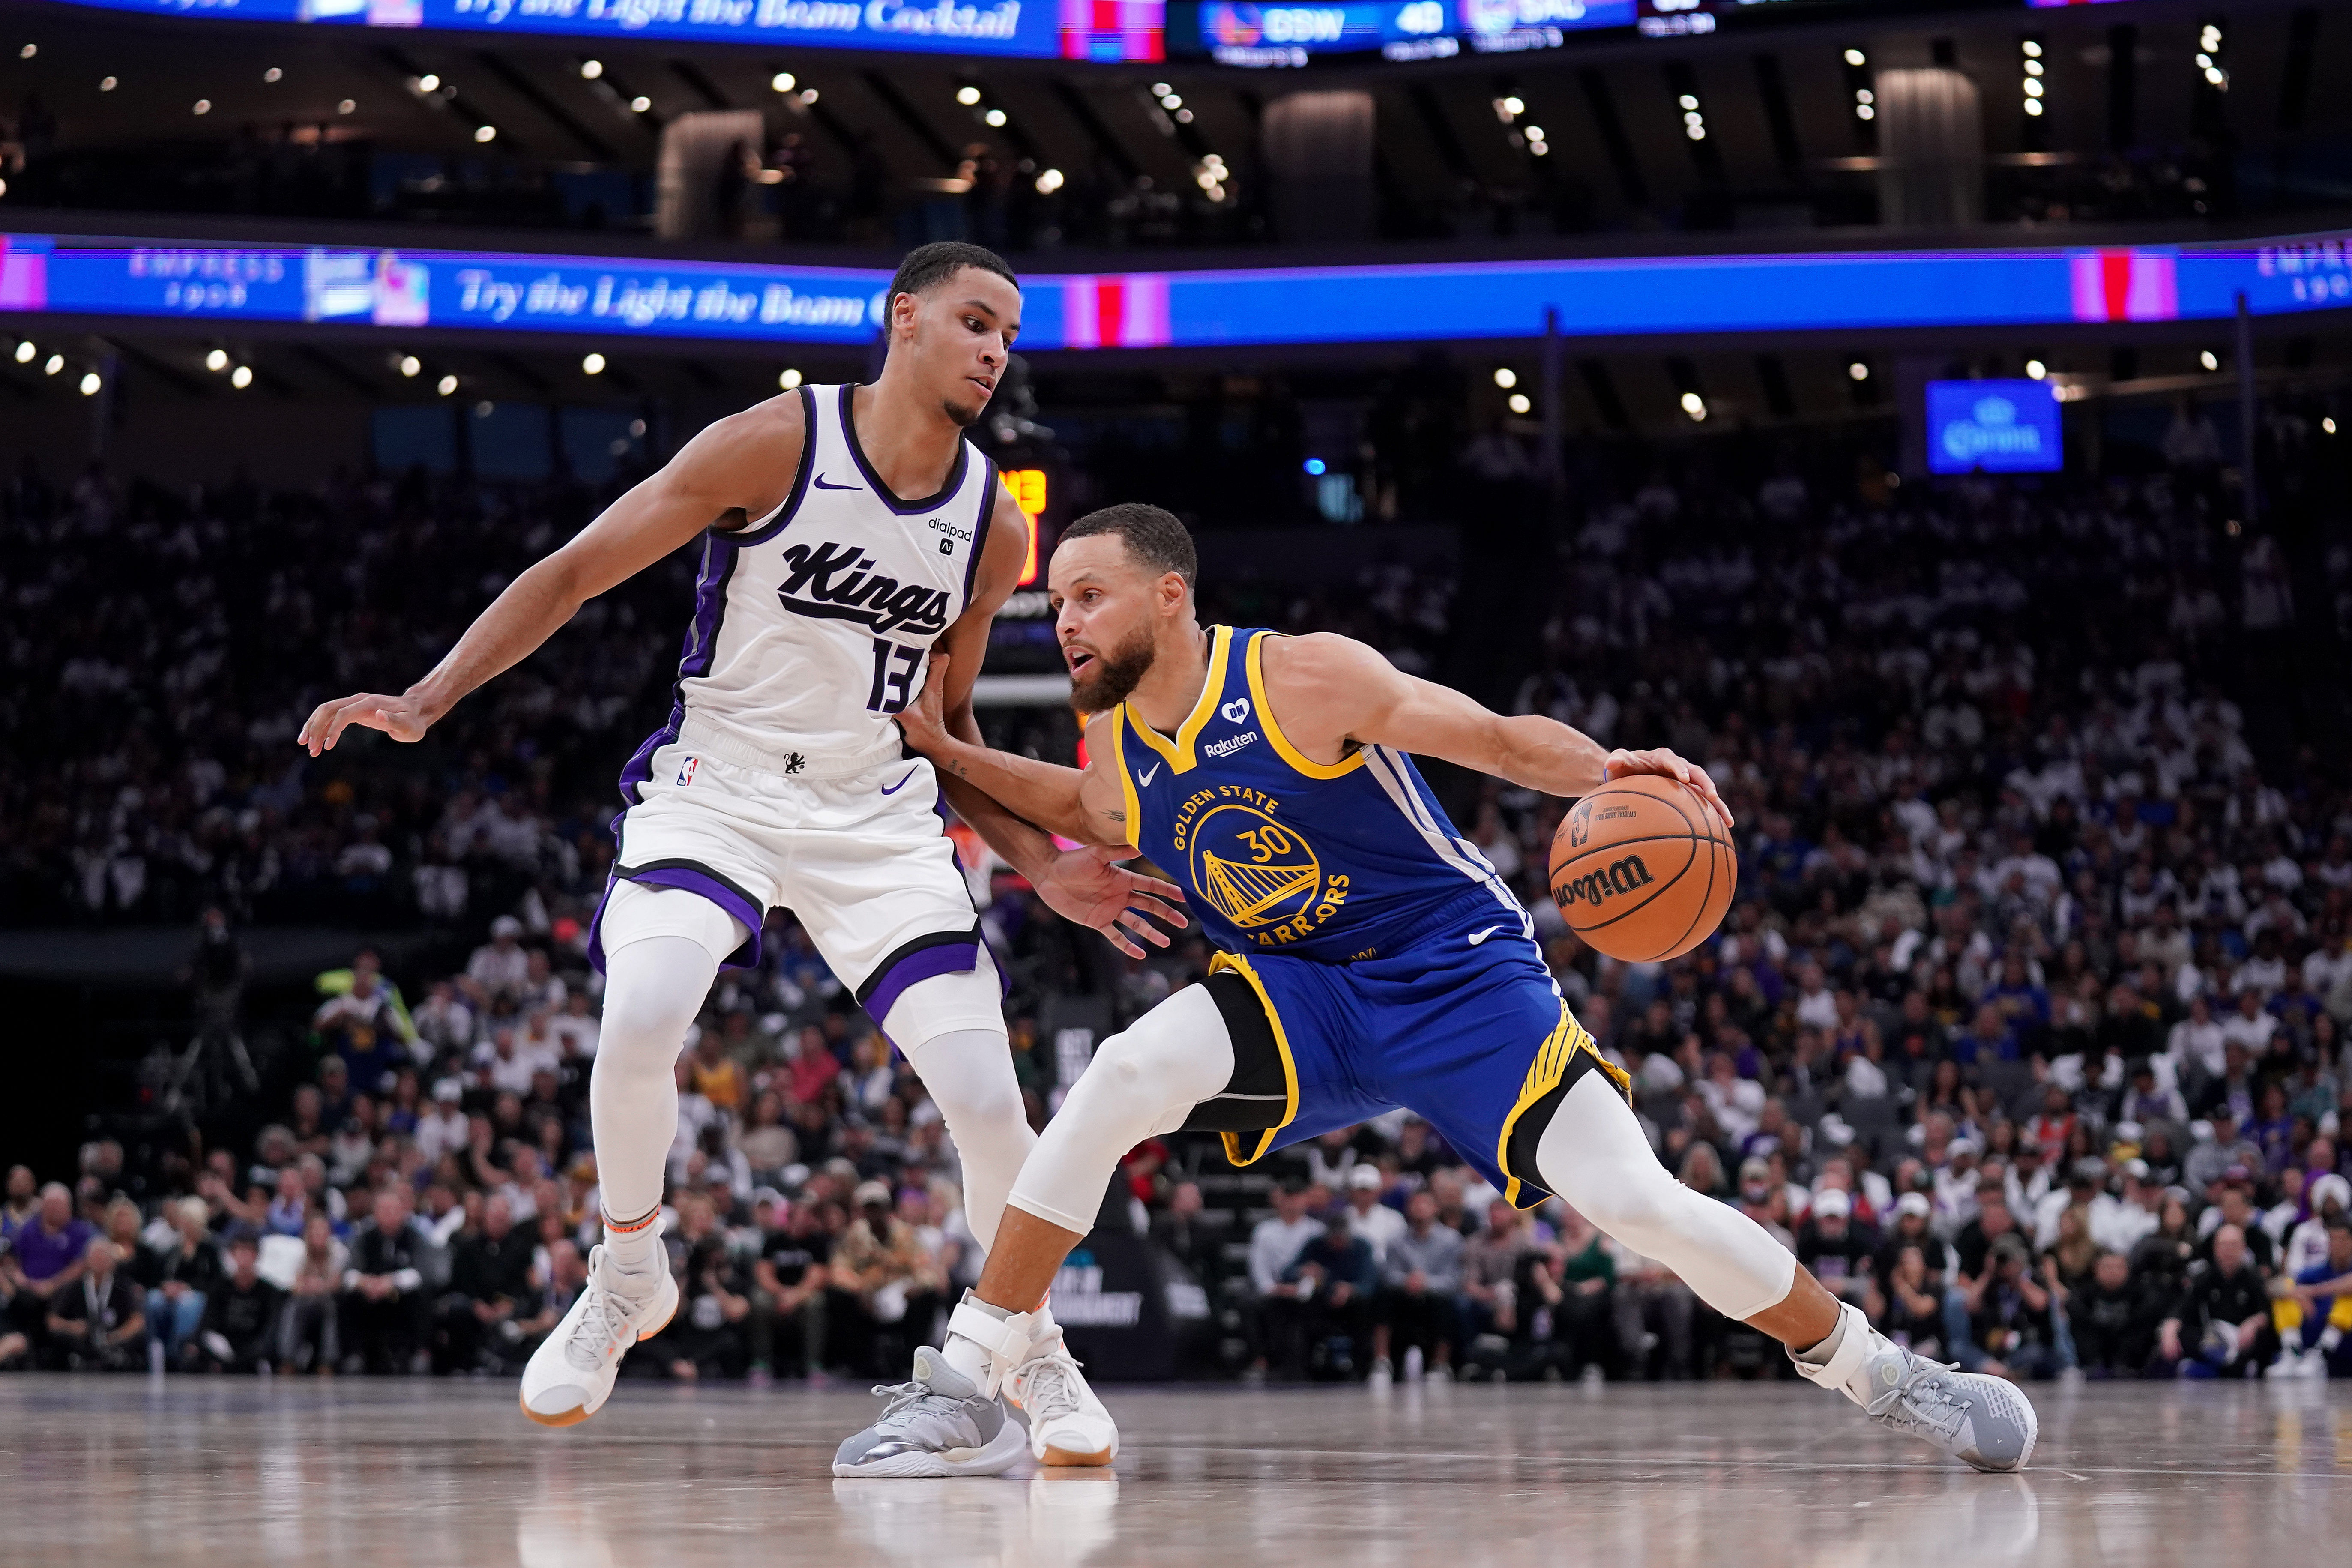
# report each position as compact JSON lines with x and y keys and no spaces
{"x":964,"y":417}
{"x":1115,"y":674}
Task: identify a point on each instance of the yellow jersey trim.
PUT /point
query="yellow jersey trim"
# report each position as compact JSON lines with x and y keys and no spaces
{"x":1256,"y":663}
{"x":1126,"y":779}
{"x":1544,"y":1075}
{"x":1233,"y":1141}
{"x":1178,"y":751}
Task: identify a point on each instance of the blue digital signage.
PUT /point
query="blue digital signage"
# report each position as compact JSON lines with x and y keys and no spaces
{"x":1113,"y":30}
{"x":1678,"y":296}
{"x":1993,"y":427}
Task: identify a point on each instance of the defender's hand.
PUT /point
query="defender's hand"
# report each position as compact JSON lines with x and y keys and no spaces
{"x":924,"y":720}
{"x":1087,"y":886}
{"x":1619,"y":763}
{"x":402,"y":718}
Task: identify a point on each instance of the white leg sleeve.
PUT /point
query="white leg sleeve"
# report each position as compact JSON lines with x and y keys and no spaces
{"x":662,"y":950}
{"x":1144,"y":1081}
{"x":1594,"y":1157}
{"x":968,"y":1075}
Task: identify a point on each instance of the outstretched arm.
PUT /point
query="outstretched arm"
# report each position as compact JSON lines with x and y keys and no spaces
{"x":1331,"y":691}
{"x":1017,"y":811}
{"x":1085,"y":805}
{"x":739,"y":464}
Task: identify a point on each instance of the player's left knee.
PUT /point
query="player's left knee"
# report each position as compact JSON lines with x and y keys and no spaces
{"x":1630,"y":1201}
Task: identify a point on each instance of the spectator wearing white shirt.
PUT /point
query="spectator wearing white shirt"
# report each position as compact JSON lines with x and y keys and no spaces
{"x":2118,"y":1223}
{"x":576,"y":1029}
{"x":441,"y":1127}
{"x":1369,"y":1218}
{"x":1816,"y":1003}
{"x":500,"y":1064}
{"x":2248,"y":1026}
{"x":2197,"y":1049}
{"x":500,"y":966}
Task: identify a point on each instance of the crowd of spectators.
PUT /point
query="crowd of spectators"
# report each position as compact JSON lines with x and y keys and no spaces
{"x":2027,"y":1031}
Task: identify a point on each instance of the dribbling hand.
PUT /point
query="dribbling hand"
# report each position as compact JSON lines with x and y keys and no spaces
{"x":400,"y":717}
{"x":1619,"y":764}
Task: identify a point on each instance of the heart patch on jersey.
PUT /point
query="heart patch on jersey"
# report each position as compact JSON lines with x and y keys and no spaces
{"x":1236,"y":711}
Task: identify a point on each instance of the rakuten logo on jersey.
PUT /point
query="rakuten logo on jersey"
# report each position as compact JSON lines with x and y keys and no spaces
{"x":838,"y":582}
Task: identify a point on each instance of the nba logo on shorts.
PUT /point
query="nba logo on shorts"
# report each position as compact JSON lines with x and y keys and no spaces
{"x":686,"y":770}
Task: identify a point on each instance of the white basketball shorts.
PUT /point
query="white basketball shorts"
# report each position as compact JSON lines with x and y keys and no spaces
{"x":862,"y":861}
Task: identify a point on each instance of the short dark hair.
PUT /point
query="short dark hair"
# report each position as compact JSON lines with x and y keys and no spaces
{"x":928,"y":266}
{"x":1153,"y":537}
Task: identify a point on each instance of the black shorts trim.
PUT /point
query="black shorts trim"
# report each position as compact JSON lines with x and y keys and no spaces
{"x":1528,"y":1130}
{"x":1255,"y":1097}
{"x":905,"y":950}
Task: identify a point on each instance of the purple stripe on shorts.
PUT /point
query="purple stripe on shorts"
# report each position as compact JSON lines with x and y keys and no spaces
{"x":883,"y":992}
{"x":687,"y":879}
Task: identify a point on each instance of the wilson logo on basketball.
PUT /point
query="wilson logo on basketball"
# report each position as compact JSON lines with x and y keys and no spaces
{"x":1596,"y":887}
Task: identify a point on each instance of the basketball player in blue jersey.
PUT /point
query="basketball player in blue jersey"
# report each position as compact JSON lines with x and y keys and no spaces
{"x":845,"y":533}
{"x":1370,"y":959}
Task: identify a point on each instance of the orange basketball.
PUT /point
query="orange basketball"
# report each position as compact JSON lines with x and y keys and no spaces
{"x":1641,"y":868}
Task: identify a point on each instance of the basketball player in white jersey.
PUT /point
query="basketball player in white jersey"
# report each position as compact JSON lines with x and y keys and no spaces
{"x":780,"y":779}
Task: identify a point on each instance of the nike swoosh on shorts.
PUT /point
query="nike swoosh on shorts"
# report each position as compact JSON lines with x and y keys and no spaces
{"x":1478,"y":936}
{"x":893,"y":789}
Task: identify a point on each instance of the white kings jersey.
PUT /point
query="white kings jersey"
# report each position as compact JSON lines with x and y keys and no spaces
{"x":812,"y":625}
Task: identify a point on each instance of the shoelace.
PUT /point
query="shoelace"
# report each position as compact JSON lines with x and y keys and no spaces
{"x":608,"y":1315}
{"x":1048,"y":1387}
{"x":903,"y":1397}
{"x":1925,"y":1396}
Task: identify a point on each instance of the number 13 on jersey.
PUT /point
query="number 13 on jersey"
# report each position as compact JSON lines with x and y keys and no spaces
{"x":894,"y":676}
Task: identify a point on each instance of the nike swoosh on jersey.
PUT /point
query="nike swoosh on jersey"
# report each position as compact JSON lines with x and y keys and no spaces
{"x":893,"y":789}
{"x":1478,"y":936}
{"x":823,"y":486}
{"x":1145,"y":778}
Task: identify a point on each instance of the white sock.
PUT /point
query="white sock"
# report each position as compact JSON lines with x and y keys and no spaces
{"x":635,"y":1247}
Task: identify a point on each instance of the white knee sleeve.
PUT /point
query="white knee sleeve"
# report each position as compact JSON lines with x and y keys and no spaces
{"x":1594,"y":1157}
{"x":969,"y":1075}
{"x":1144,"y":1081}
{"x":655,"y":983}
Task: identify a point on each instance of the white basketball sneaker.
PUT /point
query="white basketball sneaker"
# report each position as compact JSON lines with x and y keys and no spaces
{"x":570,"y":1374}
{"x":1067,"y":1424}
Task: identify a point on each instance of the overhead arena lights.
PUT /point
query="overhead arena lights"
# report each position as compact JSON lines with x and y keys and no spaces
{"x":2035,"y":86}
{"x":1694,"y":117}
{"x":1211,"y":175}
{"x":1857,"y":82}
{"x":2208,"y":57}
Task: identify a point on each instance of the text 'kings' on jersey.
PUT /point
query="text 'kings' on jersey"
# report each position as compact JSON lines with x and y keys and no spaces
{"x":1335,"y":862}
{"x":812,"y":625}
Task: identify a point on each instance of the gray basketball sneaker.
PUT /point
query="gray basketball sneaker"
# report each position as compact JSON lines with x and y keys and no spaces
{"x":939,"y":1424}
{"x":1984,"y":1420}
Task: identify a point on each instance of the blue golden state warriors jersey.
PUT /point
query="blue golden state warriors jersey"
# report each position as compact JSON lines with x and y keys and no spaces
{"x":1336,"y":863}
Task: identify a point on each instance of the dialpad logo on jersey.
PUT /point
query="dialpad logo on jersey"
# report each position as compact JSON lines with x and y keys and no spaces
{"x":1597,"y":887}
{"x":1261,"y":875}
{"x":838,"y":582}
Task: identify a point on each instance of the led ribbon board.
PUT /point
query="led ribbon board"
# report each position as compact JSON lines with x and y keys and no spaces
{"x":1111,"y":30}
{"x":612,"y":298}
